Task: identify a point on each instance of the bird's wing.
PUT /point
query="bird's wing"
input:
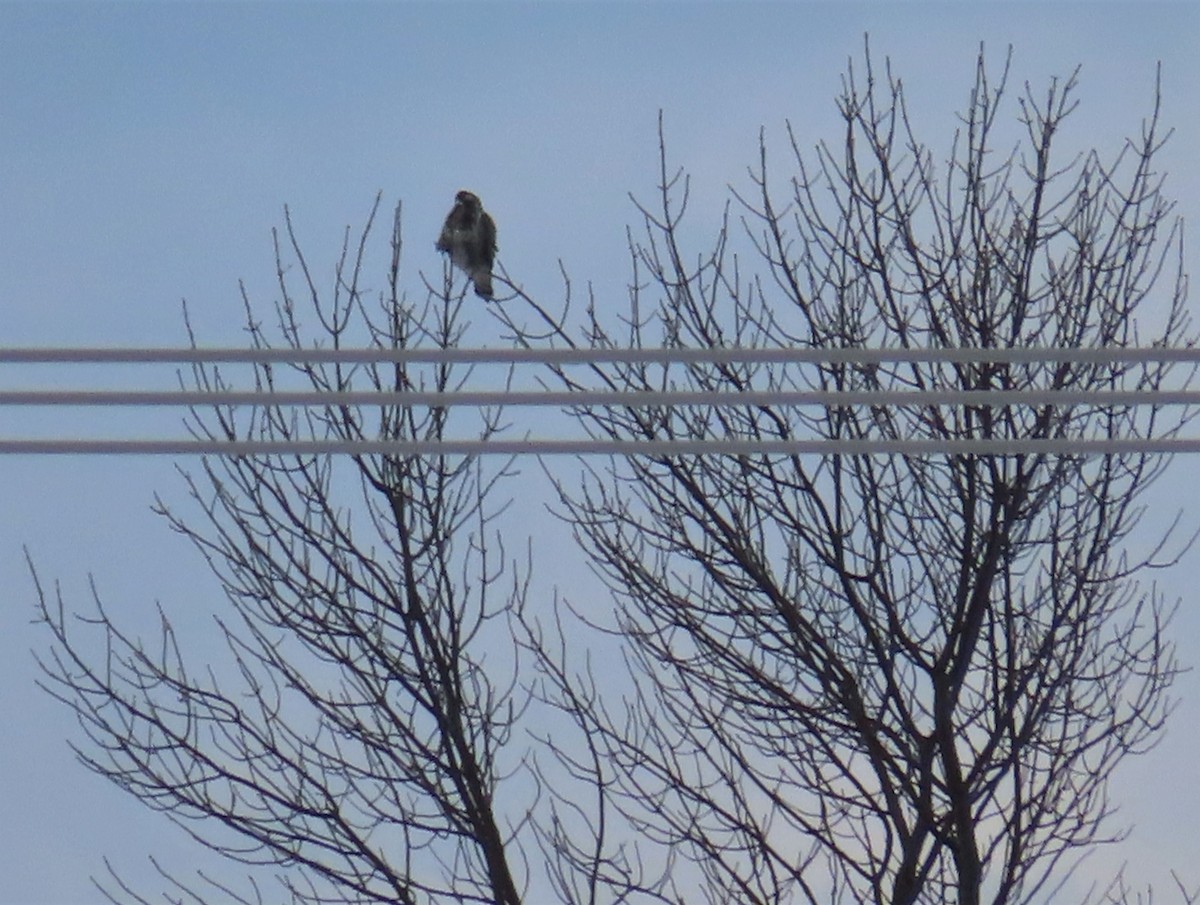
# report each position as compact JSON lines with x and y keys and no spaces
{"x":487,"y":236}
{"x":443,"y":242}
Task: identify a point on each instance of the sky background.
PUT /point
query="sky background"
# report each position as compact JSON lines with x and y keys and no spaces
{"x":147,"y":150}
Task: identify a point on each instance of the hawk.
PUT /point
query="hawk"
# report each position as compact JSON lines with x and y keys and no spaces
{"x":469,"y":237}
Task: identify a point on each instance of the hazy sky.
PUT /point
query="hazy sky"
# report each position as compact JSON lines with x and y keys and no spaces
{"x":147,"y":150}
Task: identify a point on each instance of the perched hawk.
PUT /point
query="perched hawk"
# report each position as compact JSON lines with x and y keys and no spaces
{"x":469,"y":237}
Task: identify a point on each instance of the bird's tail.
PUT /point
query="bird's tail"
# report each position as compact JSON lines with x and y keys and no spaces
{"x":482,"y":278}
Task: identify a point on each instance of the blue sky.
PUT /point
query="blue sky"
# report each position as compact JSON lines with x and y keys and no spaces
{"x":147,"y":150}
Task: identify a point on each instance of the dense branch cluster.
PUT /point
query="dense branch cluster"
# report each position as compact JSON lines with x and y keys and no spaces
{"x":890,"y":679}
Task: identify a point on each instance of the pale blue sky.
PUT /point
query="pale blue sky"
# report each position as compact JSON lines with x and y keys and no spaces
{"x":146,"y":151}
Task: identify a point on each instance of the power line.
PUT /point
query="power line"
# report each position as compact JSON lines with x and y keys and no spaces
{"x":655,"y":448}
{"x":728,"y":355}
{"x":586,"y":397}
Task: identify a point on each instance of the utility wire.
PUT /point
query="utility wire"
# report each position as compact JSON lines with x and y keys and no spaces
{"x":591,"y":356}
{"x":588,"y":398}
{"x":657,"y":448}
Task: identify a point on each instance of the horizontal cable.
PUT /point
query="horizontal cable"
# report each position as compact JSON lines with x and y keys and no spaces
{"x":595,"y":398}
{"x":659,"y":448}
{"x":632,"y":399}
{"x":590,"y":356}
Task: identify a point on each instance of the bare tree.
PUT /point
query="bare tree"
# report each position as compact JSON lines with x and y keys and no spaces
{"x":354,"y":734}
{"x":883,"y":678}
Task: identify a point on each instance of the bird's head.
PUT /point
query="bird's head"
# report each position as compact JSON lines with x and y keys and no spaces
{"x":468,"y":199}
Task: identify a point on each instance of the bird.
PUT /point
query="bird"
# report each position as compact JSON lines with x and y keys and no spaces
{"x":469,"y":237}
